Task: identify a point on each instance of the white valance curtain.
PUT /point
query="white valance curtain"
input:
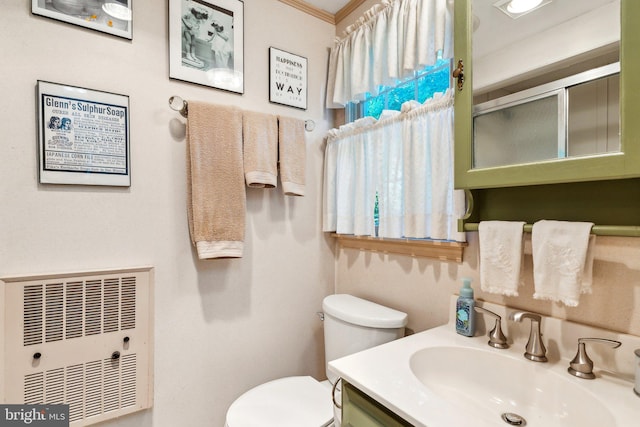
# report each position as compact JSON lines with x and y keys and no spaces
{"x":391,"y":41}
{"x":405,"y":160}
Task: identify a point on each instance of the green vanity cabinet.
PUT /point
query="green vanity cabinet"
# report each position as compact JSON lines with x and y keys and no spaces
{"x":603,"y":188}
{"x":618,"y":165}
{"x":359,"y":410}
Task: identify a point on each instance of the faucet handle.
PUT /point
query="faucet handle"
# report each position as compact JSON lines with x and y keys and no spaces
{"x":496,"y":337}
{"x":582,"y":366}
{"x":519,"y":316}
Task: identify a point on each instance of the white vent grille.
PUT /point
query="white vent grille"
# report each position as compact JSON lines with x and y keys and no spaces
{"x":57,"y":310}
{"x":84,"y":341}
{"x":54,"y":309}
{"x":111,"y":385}
{"x":74,"y":306}
{"x":33,"y":314}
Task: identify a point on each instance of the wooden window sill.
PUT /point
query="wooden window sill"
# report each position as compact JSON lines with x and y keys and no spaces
{"x":436,"y":249}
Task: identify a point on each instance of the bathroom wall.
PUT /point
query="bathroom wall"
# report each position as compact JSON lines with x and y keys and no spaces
{"x":422,"y":287}
{"x":221,"y":326}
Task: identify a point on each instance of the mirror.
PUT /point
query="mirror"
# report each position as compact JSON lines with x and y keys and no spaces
{"x":556,"y":39}
{"x":602,"y":33}
{"x":543,"y":88}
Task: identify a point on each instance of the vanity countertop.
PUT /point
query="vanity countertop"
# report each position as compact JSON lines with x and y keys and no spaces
{"x":384,"y":373}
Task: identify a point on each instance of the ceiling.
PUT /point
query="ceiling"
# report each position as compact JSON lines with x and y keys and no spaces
{"x":331,"y":6}
{"x":494,"y":30}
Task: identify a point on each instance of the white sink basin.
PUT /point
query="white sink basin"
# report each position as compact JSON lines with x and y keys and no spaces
{"x":490,"y":384}
{"x":438,"y":378}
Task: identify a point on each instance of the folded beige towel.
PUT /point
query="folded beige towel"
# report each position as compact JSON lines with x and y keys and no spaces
{"x":260,"y":147}
{"x":216,"y":196}
{"x":292,"y":152}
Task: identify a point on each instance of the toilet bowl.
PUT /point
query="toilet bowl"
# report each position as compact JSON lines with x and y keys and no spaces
{"x":285,"y":402}
{"x":351,"y":324}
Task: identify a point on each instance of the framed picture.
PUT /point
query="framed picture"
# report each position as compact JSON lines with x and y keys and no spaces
{"x":206,"y":43}
{"x":83,"y":136}
{"x":287,"y":78}
{"x":109,"y":16}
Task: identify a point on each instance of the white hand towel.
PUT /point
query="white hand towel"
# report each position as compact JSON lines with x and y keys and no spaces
{"x":562,"y":260}
{"x":501,"y":255}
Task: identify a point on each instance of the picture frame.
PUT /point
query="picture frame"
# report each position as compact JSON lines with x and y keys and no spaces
{"x":206,"y":43}
{"x":107,"y":16}
{"x":83,"y":136}
{"x":287,"y":78}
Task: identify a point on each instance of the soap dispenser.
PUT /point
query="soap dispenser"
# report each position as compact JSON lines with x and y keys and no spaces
{"x":465,"y":324}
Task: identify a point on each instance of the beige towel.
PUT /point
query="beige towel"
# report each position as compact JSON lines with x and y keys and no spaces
{"x":501,"y":253}
{"x":292,"y":152}
{"x":260,"y":147}
{"x":215,"y":189}
{"x":562,"y":260}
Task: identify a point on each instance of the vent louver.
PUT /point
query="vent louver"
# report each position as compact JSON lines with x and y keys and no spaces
{"x":84,"y":341}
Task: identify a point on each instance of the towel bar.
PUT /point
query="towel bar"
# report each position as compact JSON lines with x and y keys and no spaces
{"x":178,"y":104}
{"x":598,"y":230}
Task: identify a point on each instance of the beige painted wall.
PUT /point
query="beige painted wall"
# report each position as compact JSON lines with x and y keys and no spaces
{"x":221,"y":326}
{"x":422,"y":287}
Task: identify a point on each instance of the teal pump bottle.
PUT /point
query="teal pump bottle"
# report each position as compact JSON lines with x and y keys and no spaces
{"x":465,"y":324}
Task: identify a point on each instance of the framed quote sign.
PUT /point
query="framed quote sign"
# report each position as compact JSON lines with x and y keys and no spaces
{"x":287,"y":79}
{"x":83,"y":136}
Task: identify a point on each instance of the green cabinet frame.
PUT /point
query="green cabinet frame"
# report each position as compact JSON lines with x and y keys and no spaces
{"x":601,"y":189}
{"x":625,"y":164}
{"x":360,"y":410}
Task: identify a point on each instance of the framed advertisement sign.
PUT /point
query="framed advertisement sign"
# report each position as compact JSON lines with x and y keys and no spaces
{"x":83,"y":136}
{"x":206,"y":43}
{"x":287,"y":79}
{"x":111,"y":16}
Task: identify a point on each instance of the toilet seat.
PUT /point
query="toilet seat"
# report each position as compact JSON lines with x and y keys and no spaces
{"x":285,"y":402}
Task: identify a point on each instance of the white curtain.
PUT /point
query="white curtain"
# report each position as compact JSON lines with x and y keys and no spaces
{"x":406,"y":159}
{"x":391,"y":41}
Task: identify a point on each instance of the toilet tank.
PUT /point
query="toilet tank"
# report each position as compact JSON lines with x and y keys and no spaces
{"x":353,"y":324}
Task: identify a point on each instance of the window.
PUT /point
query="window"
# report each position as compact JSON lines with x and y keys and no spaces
{"x":419,"y":87}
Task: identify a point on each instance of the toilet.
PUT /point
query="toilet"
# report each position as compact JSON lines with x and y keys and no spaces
{"x":351,"y":324}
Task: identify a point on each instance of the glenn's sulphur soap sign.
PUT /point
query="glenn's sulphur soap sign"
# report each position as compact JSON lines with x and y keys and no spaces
{"x":287,"y":78}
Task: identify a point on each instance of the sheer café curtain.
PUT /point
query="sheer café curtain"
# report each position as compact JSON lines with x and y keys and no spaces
{"x":391,"y":41}
{"x":402,"y":162}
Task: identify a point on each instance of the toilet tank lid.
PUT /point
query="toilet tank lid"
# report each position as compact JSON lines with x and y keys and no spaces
{"x":362,"y":312}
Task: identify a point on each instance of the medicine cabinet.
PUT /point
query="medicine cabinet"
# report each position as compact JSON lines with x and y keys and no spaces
{"x":494,"y":166}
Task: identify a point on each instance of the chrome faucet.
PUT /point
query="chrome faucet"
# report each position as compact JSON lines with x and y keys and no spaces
{"x":496,"y":337}
{"x":535,"y":349}
{"x":582,"y":366}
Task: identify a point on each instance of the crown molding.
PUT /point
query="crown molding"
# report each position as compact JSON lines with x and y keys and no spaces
{"x":345,"y":11}
{"x":323,"y":14}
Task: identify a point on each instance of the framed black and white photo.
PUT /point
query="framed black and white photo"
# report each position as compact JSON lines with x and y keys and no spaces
{"x":83,"y":136}
{"x":206,"y":43}
{"x":287,"y":78}
{"x":109,"y":16}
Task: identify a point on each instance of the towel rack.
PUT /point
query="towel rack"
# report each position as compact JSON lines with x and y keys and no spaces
{"x":599,"y":230}
{"x":178,"y":104}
